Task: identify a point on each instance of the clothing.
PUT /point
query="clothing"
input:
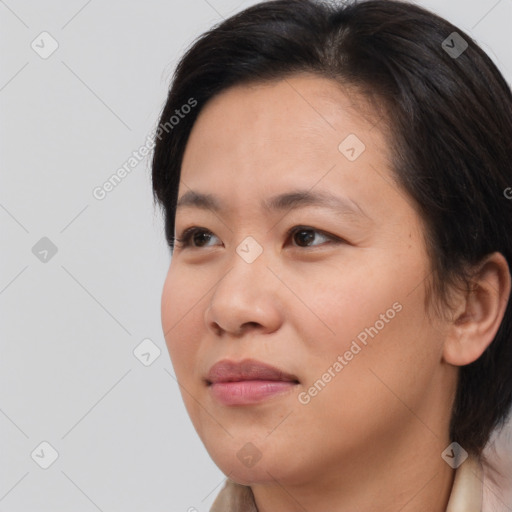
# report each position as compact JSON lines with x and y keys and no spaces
{"x":466,"y":494}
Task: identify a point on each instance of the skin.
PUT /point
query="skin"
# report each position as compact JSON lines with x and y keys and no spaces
{"x":373,"y":437}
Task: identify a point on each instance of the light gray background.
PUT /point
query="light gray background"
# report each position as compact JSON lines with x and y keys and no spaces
{"x":69,"y":326}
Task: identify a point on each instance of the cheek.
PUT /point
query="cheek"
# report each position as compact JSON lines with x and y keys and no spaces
{"x":181,"y":318}
{"x":364,"y":393}
{"x":372,"y":318}
{"x":344,"y":301}
{"x":381,"y":351}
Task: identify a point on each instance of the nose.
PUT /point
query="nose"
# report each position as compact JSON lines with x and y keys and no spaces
{"x":246,"y":298}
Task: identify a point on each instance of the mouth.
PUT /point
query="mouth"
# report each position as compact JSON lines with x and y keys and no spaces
{"x":247,"y":382}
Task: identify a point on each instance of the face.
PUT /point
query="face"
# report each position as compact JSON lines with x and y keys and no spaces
{"x":310,"y":259}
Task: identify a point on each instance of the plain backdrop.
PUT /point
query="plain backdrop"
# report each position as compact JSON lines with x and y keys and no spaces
{"x":86,"y":383}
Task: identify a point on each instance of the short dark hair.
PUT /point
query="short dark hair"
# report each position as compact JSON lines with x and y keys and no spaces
{"x":449,"y":124}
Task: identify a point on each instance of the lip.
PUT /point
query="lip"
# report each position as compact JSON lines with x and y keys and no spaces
{"x":247,"y":382}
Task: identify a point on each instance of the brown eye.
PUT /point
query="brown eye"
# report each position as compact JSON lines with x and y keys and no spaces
{"x":194,"y":237}
{"x":304,"y":236}
{"x":201,"y":237}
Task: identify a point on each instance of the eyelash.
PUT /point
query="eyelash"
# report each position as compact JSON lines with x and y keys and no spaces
{"x":185,"y":240}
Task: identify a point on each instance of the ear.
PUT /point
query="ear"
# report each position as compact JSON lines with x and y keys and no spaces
{"x":479,"y":312}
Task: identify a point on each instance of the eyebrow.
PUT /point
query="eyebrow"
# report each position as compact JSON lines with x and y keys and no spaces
{"x":292,"y":200}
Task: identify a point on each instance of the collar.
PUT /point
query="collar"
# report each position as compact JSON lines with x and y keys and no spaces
{"x":467,"y":490}
{"x":466,"y":495}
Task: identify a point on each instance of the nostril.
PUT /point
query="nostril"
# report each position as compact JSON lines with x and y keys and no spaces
{"x":217,"y":328}
{"x":247,"y":326}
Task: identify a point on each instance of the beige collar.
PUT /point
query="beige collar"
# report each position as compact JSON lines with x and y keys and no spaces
{"x":467,"y":490}
{"x":466,"y":495}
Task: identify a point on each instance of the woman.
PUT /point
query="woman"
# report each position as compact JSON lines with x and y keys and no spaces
{"x":334,"y":181}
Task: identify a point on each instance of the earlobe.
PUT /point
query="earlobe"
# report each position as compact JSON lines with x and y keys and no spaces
{"x":480,"y":312}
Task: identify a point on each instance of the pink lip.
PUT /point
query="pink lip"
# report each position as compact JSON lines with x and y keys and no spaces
{"x":247,"y":382}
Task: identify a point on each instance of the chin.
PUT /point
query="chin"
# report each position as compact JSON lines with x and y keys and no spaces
{"x":260,"y":473}
{"x":248,"y":463}
{"x":248,"y":476}
{"x":243,"y":461}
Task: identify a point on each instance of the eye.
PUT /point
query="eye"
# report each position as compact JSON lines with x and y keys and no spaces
{"x":306,"y":235}
{"x":193,"y":234}
{"x":196,"y":238}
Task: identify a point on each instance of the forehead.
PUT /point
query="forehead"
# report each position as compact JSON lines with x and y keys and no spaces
{"x":264,"y":139}
{"x":300,"y":117}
